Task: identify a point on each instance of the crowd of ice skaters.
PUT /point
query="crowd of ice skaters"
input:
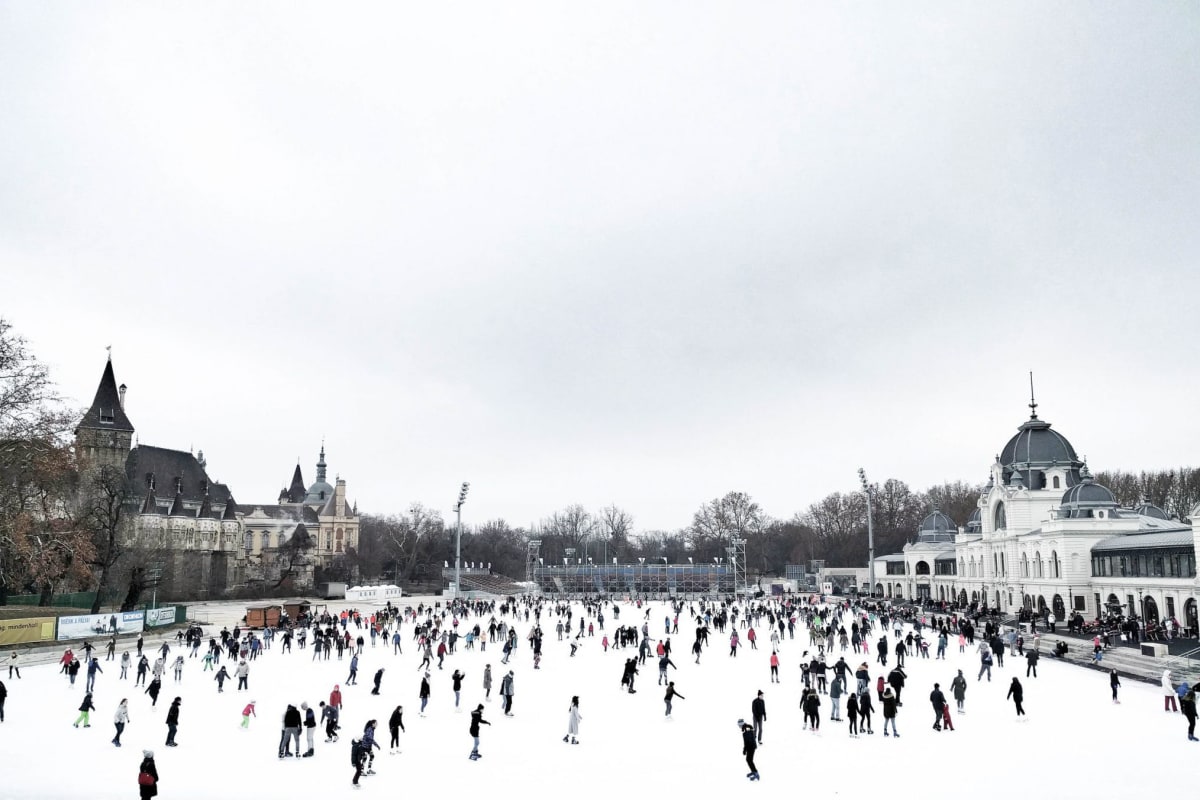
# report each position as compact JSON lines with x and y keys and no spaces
{"x":438,"y":631}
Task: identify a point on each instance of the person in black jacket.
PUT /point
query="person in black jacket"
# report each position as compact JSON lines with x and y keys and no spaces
{"x":671,"y":695}
{"x":1016,"y":693}
{"x":896,"y":680}
{"x":148,"y":775}
{"x":172,"y":721}
{"x":378,"y":680}
{"x":1031,"y":659}
{"x":3,"y":697}
{"x":152,"y":690}
{"x":291,"y":729}
{"x":938,"y":700}
{"x":395,"y":725}
{"x":476,"y":720}
{"x":748,"y":748}
{"x":758,"y":711}
{"x":889,"y":712}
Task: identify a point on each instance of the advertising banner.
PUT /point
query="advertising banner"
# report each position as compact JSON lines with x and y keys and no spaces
{"x":157,"y":617}
{"x":82,"y":627}
{"x":24,"y":631}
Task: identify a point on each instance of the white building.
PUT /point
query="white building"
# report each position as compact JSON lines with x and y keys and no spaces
{"x":1046,"y":535}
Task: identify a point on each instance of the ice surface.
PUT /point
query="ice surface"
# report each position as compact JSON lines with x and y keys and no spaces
{"x":1073,"y":743}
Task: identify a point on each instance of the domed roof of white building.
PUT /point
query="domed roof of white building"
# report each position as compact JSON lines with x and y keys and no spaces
{"x":1036,"y":448}
{"x":1151,"y":510}
{"x":1087,"y":494}
{"x":937,"y":527}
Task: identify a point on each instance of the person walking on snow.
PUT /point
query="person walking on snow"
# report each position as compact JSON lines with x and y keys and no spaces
{"x":395,"y":725}
{"x":889,"y":712}
{"x":456,"y":686}
{"x":506,"y":691}
{"x":173,"y":721}
{"x":487,"y":683}
{"x":120,"y":720}
{"x":476,"y":720}
{"x":573,"y":720}
{"x":938,"y":701}
{"x":1114,"y":681}
{"x":748,"y":748}
{"x":758,"y":712}
{"x":1168,"y":692}
{"x":310,"y":724}
{"x":1016,"y":693}
{"x":247,"y":713}
{"x":85,"y":709}
{"x":424,"y":694}
{"x":958,"y":687}
{"x":671,"y":695}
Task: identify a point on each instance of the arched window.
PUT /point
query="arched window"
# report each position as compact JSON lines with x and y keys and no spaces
{"x":1037,"y":565}
{"x":995,"y":563}
{"x":249,"y":541}
{"x":265,"y":542}
{"x":279,"y":540}
{"x":1056,"y":485}
{"x":1003,"y":565}
{"x":1055,"y":567}
{"x":1024,"y":566}
{"x":1000,"y":518}
{"x":962,"y":566}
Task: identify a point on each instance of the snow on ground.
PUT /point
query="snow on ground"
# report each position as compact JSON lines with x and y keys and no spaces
{"x":1073,"y":741}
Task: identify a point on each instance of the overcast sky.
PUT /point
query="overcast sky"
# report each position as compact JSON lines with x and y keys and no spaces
{"x":636,"y":253}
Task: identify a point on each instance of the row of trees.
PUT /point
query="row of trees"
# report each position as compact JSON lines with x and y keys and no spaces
{"x":833,"y":529}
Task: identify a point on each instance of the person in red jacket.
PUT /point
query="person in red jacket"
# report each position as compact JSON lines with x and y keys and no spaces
{"x":247,"y":713}
{"x":335,"y":698}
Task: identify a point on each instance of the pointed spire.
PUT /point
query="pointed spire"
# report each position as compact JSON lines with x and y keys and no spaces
{"x":177,"y":509}
{"x":1032,"y":402}
{"x":230,"y":512}
{"x":206,"y":511}
{"x":321,"y":464}
{"x":297,"y":490}
{"x":106,"y":411}
{"x":150,"y":504}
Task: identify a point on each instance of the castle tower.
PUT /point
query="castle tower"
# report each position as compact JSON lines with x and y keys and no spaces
{"x":105,"y":435}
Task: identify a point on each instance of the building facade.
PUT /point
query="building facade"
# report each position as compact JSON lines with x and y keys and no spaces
{"x":1045,"y":535}
{"x":188,"y":527}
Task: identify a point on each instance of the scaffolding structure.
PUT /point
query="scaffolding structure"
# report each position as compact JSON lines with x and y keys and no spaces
{"x":532,"y":559}
{"x":634,"y":580}
{"x":737,"y":559}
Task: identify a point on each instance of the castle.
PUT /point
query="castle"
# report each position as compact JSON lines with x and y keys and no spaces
{"x":189,"y":528}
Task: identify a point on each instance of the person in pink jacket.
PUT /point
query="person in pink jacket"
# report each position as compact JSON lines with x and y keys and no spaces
{"x":247,"y":713}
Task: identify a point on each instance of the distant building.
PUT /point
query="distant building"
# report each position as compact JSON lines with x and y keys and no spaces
{"x":1045,"y":536}
{"x":209,"y":545}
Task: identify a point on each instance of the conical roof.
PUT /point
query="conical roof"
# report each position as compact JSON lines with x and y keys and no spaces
{"x":297,"y":491}
{"x":230,"y":512}
{"x":106,"y":411}
{"x":177,"y":509}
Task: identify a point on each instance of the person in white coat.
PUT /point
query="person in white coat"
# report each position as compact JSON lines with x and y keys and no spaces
{"x":1168,"y":692}
{"x":573,"y":720}
{"x":120,"y":720}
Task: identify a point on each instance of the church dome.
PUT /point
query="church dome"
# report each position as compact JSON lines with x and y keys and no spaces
{"x":975,"y":522}
{"x":937,"y":527}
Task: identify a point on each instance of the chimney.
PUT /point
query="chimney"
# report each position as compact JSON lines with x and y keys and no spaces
{"x":121,"y":389}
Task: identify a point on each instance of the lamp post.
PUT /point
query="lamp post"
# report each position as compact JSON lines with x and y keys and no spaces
{"x":462,"y":498}
{"x":862,"y":477}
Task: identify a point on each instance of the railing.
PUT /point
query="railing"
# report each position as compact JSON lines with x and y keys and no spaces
{"x":1184,"y":663}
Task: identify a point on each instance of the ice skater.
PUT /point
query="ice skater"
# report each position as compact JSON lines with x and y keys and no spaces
{"x":573,"y":720}
{"x":476,"y":720}
{"x":85,"y":709}
{"x":671,"y":695}
{"x":395,"y":725}
{"x":247,"y":713}
{"x":1016,"y":693}
{"x":748,"y":748}
{"x":120,"y":720}
{"x":1114,"y":681}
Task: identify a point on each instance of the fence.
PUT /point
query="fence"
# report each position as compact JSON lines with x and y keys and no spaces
{"x":69,"y":600}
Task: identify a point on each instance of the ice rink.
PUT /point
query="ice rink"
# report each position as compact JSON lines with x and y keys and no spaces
{"x":1073,"y":743}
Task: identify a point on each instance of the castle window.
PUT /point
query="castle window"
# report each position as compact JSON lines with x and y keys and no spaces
{"x":107,"y":416}
{"x":1056,"y":483}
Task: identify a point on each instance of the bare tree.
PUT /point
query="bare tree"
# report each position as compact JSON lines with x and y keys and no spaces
{"x":104,"y":501}
{"x":716,"y":522}
{"x":293,"y":555}
{"x":615,"y":526}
